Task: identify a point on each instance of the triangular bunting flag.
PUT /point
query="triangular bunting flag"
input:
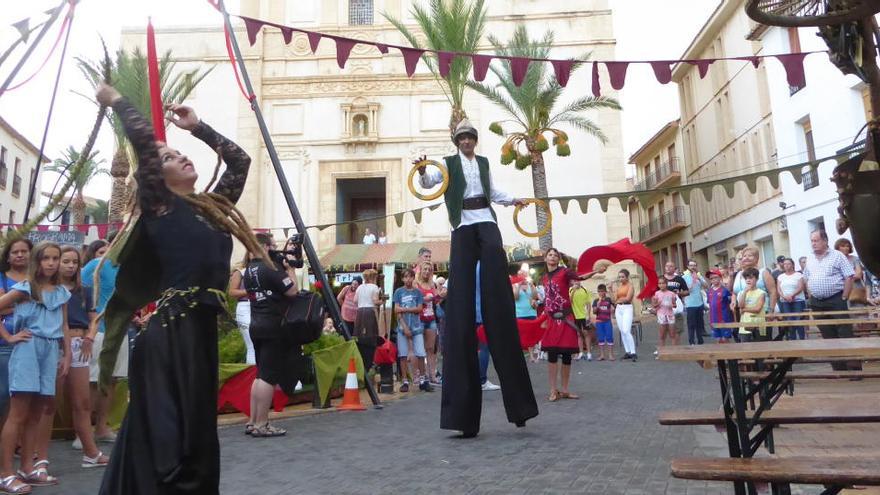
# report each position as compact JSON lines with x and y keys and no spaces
{"x":410,"y":59}
{"x":617,"y":73}
{"x":383,"y":48}
{"x":597,"y":90}
{"x":42,"y":228}
{"x":417,"y":215}
{"x":444,"y":61}
{"x":702,"y":66}
{"x":102,"y":230}
{"x":603,"y":203}
{"x":314,"y":39}
{"x":729,"y":188}
{"x":253,"y":27}
{"x":343,"y":50}
{"x":794,"y":68}
{"x":481,"y":66}
{"x":519,"y":67}
{"x":398,"y":219}
{"x":562,"y":69}
{"x":624,"y":202}
{"x":83,"y":227}
{"x":707,"y":193}
{"x":752,"y":184}
{"x":584,"y":204}
{"x":287,"y":34}
{"x":662,"y":71}
{"x":563,"y":204}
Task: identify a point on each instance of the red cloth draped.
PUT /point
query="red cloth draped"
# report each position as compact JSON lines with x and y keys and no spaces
{"x":155,"y":89}
{"x":530,"y":331}
{"x":237,"y":393}
{"x":620,"y":251}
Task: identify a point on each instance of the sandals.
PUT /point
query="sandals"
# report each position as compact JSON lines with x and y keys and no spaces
{"x":568,"y":395}
{"x":39,"y":476}
{"x":554,"y":396}
{"x":267,"y":431}
{"x":12,"y":484}
{"x":99,"y":460}
{"x":249,"y":429}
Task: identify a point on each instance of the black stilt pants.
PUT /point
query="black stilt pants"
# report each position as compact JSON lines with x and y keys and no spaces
{"x":462,"y":393}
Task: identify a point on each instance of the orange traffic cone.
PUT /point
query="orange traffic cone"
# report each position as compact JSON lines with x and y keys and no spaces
{"x":351,"y":399}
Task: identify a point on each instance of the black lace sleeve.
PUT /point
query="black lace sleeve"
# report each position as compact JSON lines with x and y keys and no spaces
{"x":231,"y":183}
{"x":152,"y":192}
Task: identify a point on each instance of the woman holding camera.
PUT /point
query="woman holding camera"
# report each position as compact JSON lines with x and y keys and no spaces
{"x":177,"y":252}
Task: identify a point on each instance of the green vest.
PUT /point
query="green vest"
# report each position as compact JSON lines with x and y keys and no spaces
{"x":455,"y":192}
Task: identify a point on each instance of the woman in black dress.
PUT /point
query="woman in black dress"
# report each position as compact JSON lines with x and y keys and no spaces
{"x":174,"y":253}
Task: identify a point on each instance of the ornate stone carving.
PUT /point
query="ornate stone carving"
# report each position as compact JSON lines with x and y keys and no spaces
{"x":350,"y":86}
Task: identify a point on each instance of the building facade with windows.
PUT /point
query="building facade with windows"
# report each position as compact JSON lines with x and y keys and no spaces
{"x":346,"y":137}
{"x":18,"y":163}
{"x":727,"y":130}
{"x":661,"y":221}
{"x":811,"y":122}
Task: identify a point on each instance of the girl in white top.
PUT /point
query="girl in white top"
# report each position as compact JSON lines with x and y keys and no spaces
{"x":366,"y":323}
{"x":792,"y":288}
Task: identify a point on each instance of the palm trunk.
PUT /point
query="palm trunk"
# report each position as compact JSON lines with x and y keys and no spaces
{"x":539,"y":185}
{"x":458,"y":114}
{"x":119,"y":170}
{"x":79,"y":208}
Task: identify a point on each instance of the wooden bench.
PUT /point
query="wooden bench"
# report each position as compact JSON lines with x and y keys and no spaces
{"x":836,"y":474}
{"x":838,"y":414}
{"x":814,"y":375}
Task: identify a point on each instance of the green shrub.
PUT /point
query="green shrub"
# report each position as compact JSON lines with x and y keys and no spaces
{"x":230,"y":346}
{"x":324,"y":341}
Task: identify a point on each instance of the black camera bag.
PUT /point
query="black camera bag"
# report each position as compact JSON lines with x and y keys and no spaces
{"x":303,"y":319}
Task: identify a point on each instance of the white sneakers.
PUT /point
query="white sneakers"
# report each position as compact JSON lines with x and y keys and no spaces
{"x":489,"y":386}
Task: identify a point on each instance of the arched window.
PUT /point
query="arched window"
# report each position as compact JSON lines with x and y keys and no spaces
{"x":360,"y":12}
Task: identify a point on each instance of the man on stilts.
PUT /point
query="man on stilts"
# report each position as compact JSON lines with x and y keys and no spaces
{"x":475,"y":236}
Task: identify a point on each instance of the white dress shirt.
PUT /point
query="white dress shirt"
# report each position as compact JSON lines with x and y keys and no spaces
{"x":473,"y":188}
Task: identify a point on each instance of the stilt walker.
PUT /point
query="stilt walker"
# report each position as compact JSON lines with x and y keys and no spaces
{"x":475,"y":237}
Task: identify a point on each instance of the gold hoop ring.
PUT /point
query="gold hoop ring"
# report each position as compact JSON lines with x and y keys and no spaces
{"x":539,"y":203}
{"x":443,"y":186}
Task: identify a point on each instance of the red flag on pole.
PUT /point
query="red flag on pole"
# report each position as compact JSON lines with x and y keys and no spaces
{"x":155,"y":89}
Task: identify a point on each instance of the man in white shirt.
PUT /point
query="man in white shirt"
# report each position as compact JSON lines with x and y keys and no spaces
{"x":369,"y":237}
{"x":475,"y":237}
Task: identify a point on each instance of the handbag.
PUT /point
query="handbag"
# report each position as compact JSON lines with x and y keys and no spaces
{"x":385,"y":353}
{"x":858,"y":295}
{"x":303,"y":318}
{"x":679,"y":306}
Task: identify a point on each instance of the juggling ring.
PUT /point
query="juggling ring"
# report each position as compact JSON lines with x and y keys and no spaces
{"x":443,"y":186}
{"x":539,"y":203}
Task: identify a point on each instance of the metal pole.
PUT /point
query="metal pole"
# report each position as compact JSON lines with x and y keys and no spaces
{"x":31,"y":48}
{"x":314,"y":262}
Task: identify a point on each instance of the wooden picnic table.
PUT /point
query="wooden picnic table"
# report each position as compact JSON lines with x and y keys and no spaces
{"x":798,"y":323}
{"x":740,"y":425}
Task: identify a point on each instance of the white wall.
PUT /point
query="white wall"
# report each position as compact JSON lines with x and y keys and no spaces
{"x":833,"y":104}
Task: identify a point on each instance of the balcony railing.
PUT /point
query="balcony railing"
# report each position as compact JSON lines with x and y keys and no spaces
{"x":660,"y":176}
{"x":668,"y":221}
{"x":16,"y":186}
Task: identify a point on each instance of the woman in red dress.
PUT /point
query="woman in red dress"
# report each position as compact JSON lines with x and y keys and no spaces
{"x":561,"y":337}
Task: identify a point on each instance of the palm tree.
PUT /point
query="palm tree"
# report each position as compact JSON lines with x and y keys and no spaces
{"x":99,"y":212}
{"x":534,"y":110}
{"x":129,"y":76}
{"x":450,"y":26}
{"x":90,"y":169}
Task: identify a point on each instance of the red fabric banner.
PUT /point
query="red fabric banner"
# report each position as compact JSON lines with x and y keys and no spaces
{"x":623,"y":250}
{"x":155,"y":89}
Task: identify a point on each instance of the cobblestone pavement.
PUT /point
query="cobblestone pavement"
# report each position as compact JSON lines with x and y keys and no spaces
{"x":608,"y":442}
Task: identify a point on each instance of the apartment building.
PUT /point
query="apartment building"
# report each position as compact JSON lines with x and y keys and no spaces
{"x":18,"y":160}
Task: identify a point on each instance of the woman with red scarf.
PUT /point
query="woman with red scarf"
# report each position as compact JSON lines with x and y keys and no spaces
{"x":561,"y":337}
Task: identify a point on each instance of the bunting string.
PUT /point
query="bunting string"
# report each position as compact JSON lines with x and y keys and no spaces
{"x":793,"y":63}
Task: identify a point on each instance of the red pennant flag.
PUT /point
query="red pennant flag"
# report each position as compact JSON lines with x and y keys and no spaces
{"x":288,"y":35}
{"x":42,"y":228}
{"x":253,"y":27}
{"x":102,"y":230}
{"x":617,"y":73}
{"x":662,"y":71}
{"x":410,"y":59}
{"x":343,"y":50}
{"x":597,"y":89}
{"x":702,"y":66}
{"x":155,"y":90}
{"x":562,"y":68}
{"x":314,"y":39}
{"x":481,"y":66}
{"x":83,"y":227}
{"x":444,"y":61}
{"x":519,"y":67}
{"x":794,"y":68}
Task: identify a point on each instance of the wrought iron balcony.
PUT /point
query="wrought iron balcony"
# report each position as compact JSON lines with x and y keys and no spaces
{"x":669,"y":221}
{"x":661,"y":176}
